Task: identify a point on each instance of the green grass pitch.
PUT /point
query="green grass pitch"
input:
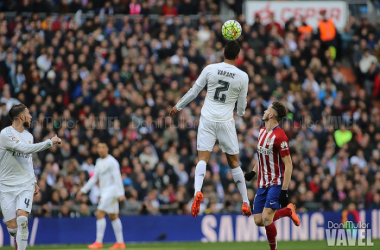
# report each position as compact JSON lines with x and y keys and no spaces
{"x":289,"y":245}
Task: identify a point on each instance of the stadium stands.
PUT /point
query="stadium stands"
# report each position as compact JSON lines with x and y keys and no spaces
{"x":114,"y":78}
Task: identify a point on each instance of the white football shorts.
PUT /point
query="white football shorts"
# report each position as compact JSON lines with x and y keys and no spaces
{"x":109,"y":203}
{"x":11,"y":201}
{"x":224,"y":132}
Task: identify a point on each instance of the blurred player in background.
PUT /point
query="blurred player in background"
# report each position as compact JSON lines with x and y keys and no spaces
{"x":107,"y":171}
{"x":18,"y":183}
{"x":226,"y":84}
{"x":274,"y":170}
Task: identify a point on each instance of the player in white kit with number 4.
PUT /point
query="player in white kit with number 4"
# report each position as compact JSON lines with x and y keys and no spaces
{"x":226,"y":85}
{"x":18,"y":183}
{"x":107,"y":171}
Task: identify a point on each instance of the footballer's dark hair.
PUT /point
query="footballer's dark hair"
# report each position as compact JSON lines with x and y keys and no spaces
{"x":231,"y":50}
{"x":103,"y":142}
{"x":281,"y":110}
{"x":16,"y":110}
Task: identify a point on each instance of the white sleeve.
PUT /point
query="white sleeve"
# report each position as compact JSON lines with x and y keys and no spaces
{"x":117,"y":178}
{"x":91,"y":182}
{"x":242,"y":99}
{"x":11,"y":142}
{"x":200,"y":83}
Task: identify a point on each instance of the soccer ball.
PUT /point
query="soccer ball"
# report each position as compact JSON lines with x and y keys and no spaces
{"x":231,"y":30}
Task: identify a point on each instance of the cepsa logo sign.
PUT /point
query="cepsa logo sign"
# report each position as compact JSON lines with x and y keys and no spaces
{"x":283,"y":11}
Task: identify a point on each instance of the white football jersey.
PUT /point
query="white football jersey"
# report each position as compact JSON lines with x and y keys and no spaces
{"x":107,"y":171}
{"x":226,"y":84}
{"x":16,"y":149}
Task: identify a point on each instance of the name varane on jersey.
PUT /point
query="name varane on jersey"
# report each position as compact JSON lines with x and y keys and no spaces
{"x":226,"y":73}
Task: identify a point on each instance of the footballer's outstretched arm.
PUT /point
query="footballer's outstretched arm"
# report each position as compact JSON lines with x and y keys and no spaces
{"x":242,"y":100}
{"x":189,"y":96}
{"x":200,"y":83}
{"x":249,"y":176}
{"x":10,"y":142}
{"x":288,"y":171}
{"x":91,"y":182}
{"x":255,"y":167}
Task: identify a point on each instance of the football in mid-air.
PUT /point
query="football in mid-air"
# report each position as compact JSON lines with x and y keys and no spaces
{"x":231,"y":30}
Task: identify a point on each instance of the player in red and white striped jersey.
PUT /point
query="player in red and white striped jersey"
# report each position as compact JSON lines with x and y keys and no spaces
{"x":272,"y":146}
{"x":274,"y":170}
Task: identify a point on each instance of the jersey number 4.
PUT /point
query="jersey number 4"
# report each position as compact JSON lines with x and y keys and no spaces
{"x":221,"y":97}
{"x":27,"y":201}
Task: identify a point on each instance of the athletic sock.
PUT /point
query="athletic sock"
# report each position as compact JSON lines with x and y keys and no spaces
{"x":118,"y":230}
{"x":12,"y":231}
{"x":22,"y":232}
{"x":100,"y":228}
{"x":200,"y":172}
{"x":271,"y":235}
{"x":239,"y":180}
{"x":284,"y":212}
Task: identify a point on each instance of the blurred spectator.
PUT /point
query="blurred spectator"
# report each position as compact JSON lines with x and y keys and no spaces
{"x":375,"y":204}
{"x":342,"y":136}
{"x":257,"y":23}
{"x":347,"y":37}
{"x":84,"y":211}
{"x":168,"y":9}
{"x":273,"y":25}
{"x":366,"y":61}
{"x":107,"y":9}
{"x":186,"y":7}
{"x":134,"y":8}
{"x":327,"y":31}
{"x":358,"y":160}
{"x":236,"y":6}
{"x":7,"y":99}
{"x":304,"y":30}
{"x":148,"y":157}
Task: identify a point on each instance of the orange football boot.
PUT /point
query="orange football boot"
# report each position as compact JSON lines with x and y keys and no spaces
{"x":246,"y":209}
{"x":96,"y":245}
{"x":296,"y":220}
{"x":118,"y":246}
{"x":196,"y":204}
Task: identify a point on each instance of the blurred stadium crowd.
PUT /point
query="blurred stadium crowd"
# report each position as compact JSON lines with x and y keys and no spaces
{"x":115,"y":79}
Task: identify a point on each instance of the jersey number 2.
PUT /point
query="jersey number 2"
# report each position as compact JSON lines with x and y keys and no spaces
{"x":224,"y":87}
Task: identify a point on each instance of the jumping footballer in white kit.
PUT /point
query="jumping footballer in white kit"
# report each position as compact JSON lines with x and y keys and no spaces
{"x":18,"y":184}
{"x":226,"y":85}
{"x":107,"y":171}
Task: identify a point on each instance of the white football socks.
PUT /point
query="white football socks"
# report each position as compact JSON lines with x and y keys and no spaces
{"x":22,"y":232}
{"x":118,"y":230}
{"x":200,"y":172}
{"x":12,"y":231}
{"x":100,"y":229}
{"x":239,"y":180}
